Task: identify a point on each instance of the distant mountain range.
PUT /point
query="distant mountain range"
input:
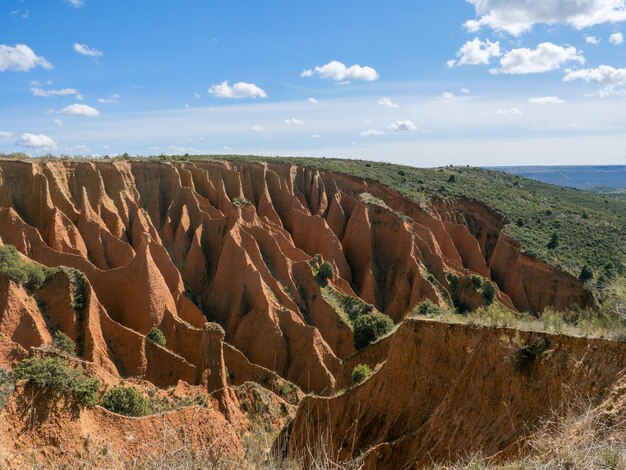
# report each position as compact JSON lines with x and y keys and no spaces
{"x":598,"y":178}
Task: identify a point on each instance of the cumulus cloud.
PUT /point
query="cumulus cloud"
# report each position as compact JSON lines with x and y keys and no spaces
{"x":113,"y":99}
{"x":238,"y":90}
{"x":313,"y":101}
{"x":36,"y":91}
{"x":80,"y":110}
{"x":545,"y":57}
{"x":57,"y":122}
{"x":6,"y":134}
{"x":293,"y":122}
{"x":387,"y":103}
{"x":76,"y":3}
{"x":465,"y":91}
{"x":616,"y":39}
{"x":316,"y":136}
{"x":402,"y":126}
{"x":447,"y":95}
{"x":20,"y":58}
{"x":341,"y":73}
{"x":258,"y":129}
{"x":84,"y":49}
{"x":36,"y":141}
{"x":593,"y":40}
{"x":476,"y":52}
{"x":371,"y":133}
{"x":610,"y":78}
{"x":519,"y":16}
{"x":543,"y":100}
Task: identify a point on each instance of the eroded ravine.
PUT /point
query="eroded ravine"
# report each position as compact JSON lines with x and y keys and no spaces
{"x":175,"y":244}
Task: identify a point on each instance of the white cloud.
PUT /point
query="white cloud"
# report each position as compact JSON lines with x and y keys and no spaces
{"x":511,"y":111}
{"x":447,"y":95}
{"x":371,"y":133}
{"x":258,"y":129}
{"x":387,"y":103}
{"x":38,"y":141}
{"x":593,"y":40}
{"x":6,"y":134}
{"x":609,"y":77}
{"x":178,"y":150}
{"x":313,"y":101}
{"x":546,"y":57}
{"x":616,"y":39}
{"x":80,"y":110}
{"x":76,"y":3}
{"x":519,"y":16}
{"x":238,"y":90}
{"x":197,"y":95}
{"x":36,"y":91}
{"x":543,"y":100}
{"x":465,"y":91}
{"x":20,"y":58}
{"x":402,"y":126}
{"x":340,"y":72}
{"x":57,"y":122}
{"x":84,"y":49}
{"x":316,"y":136}
{"x":113,"y":99}
{"x":293,"y":122}
{"x":476,"y":52}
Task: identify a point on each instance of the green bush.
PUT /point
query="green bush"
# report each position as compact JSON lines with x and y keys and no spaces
{"x":156,"y":336}
{"x":368,"y":328}
{"x":360,"y":373}
{"x":55,"y":375}
{"x":585,"y":274}
{"x":30,"y":275}
{"x":327,"y":271}
{"x":63,"y":343}
{"x":554,"y":241}
{"x":489,"y":292}
{"x":126,"y":401}
{"x":427,"y":308}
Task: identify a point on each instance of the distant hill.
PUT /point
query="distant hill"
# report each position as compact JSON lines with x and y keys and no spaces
{"x":603,"y":178}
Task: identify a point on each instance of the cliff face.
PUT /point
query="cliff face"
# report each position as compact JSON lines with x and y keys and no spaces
{"x":175,"y":245}
{"x":445,"y":392}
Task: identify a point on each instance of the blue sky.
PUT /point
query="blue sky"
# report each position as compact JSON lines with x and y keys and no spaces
{"x":480,"y":82}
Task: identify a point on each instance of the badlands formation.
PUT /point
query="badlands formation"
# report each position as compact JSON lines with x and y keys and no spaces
{"x":223,"y":258}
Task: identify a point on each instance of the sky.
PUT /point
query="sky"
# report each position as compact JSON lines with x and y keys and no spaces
{"x":464,"y":82}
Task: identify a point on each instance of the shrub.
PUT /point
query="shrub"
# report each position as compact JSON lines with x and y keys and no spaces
{"x":63,"y":343}
{"x":489,"y":292}
{"x":327,"y":271}
{"x":477,"y":281}
{"x":520,"y":222}
{"x":126,"y":401}
{"x":156,"y":336}
{"x":554,"y":241}
{"x":55,"y":375}
{"x":525,"y":354}
{"x":368,"y":328}
{"x":585,"y":274}
{"x":30,"y":275}
{"x":360,"y":373}
{"x":427,"y":308}
{"x":452,"y":179}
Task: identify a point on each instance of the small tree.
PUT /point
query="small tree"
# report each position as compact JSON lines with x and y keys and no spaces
{"x":327,"y":271}
{"x":360,"y":373}
{"x":156,"y":336}
{"x":125,"y":401}
{"x":586,"y":274}
{"x":63,"y":343}
{"x":489,"y":292}
{"x":554,"y":241}
{"x":368,"y":328}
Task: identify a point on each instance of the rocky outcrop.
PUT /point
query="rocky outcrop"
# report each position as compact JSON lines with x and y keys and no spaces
{"x":448,"y":391}
{"x":173,"y":245}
